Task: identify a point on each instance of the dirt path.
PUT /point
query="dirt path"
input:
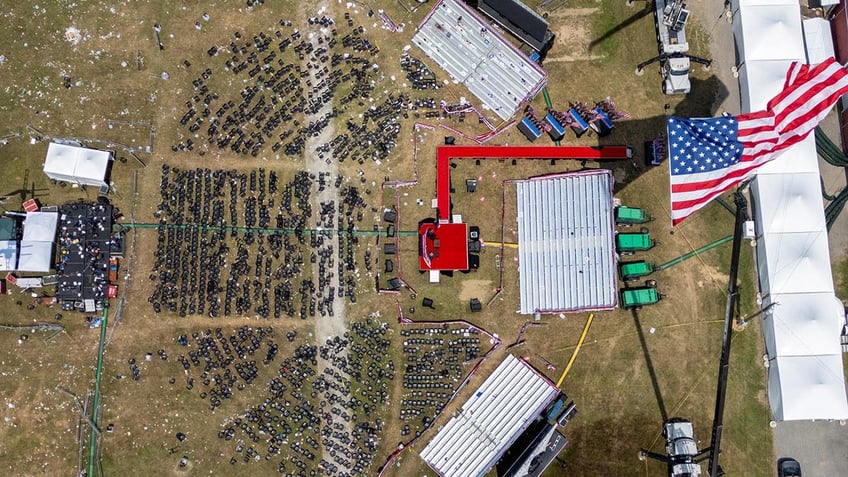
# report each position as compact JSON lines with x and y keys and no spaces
{"x":335,"y":325}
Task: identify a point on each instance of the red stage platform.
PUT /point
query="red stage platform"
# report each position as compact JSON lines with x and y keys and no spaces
{"x":445,"y":153}
{"x":443,"y":246}
{"x":449,"y":249}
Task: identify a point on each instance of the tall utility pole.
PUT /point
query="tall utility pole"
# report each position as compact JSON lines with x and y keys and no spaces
{"x":724,"y":363}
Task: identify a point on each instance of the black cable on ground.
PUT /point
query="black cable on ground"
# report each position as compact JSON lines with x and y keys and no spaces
{"x":832,"y":154}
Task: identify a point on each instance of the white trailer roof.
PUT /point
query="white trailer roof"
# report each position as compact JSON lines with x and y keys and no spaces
{"x":566,"y":244}
{"x":818,"y":41}
{"x":476,"y":55}
{"x":490,"y":421}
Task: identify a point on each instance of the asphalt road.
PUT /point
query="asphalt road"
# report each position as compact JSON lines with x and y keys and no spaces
{"x":821,"y":447}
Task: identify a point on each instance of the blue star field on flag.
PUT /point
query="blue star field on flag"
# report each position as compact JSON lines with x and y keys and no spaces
{"x":703,"y":145}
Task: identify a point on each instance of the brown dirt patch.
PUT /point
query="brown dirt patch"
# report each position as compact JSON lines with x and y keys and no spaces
{"x":475,"y":289}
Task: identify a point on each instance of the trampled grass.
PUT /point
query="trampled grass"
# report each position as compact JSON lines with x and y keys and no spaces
{"x":624,"y":377}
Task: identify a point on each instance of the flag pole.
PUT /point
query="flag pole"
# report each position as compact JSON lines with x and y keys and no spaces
{"x":724,"y":363}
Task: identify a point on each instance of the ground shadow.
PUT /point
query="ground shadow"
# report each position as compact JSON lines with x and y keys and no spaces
{"x":649,"y":364}
{"x":702,"y":101}
{"x":624,"y":24}
{"x":608,"y":446}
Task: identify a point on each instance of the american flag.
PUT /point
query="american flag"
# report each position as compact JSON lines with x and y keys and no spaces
{"x":709,"y":156}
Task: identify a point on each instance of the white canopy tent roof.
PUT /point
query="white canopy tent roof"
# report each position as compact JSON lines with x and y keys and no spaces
{"x":807,"y":388}
{"x":802,"y":324}
{"x":786,"y":198}
{"x":76,"y":164}
{"x":768,"y":32}
{"x":761,"y":80}
{"x":566,"y":237}
{"x":40,"y":226}
{"x":795,"y":263}
{"x":806,"y":378}
{"x":35,"y":256}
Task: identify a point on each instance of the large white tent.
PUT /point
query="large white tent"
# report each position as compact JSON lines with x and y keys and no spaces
{"x":761,"y":80}
{"x":566,"y":243}
{"x":796,"y":263}
{"x":36,"y":251}
{"x":768,"y":31}
{"x":77,"y":165}
{"x":803,"y":324}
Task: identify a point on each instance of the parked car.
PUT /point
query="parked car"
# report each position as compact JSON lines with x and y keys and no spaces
{"x":788,"y":467}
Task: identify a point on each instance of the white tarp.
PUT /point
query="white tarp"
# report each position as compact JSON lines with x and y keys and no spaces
{"x":807,"y":388}
{"x":786,"y":198}
{"x":77,"y":165}
{"x":40,"y":226}
{"x":806,"y":379}
{"x":802,"y":324}
{"x":35,"y":256}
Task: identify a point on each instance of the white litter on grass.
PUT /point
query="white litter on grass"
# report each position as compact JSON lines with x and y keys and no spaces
{"x":73,"y":35}
{"x":2,"y":59}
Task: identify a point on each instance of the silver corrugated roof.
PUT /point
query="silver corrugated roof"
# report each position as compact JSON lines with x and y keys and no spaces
{"x":490,"y":421}
{"x":565,"y":243}
{"x":475,"y":55}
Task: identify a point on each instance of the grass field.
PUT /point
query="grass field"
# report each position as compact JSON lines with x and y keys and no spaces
{"x":635,"y":370}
